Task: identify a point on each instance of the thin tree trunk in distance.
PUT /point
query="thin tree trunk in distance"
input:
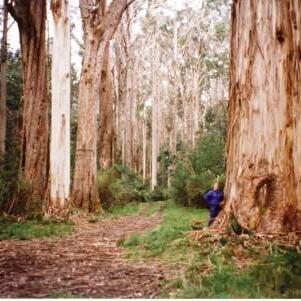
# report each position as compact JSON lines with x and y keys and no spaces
{"x":3,"y":82}
{"x":60,"y":120}
{"x":154,"y":121}
{"x":106,"y":115}
{"x":144,"y":141}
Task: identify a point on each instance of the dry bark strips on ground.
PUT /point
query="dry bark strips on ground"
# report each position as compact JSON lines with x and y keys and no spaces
{"x":88,"y":263}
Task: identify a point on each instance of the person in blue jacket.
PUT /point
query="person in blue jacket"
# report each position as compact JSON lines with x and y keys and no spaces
{"x":214,"y":199}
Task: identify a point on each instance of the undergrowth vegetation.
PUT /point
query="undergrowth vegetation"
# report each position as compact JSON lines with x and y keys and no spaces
{"x":119,"y":185}
{"x":197,"y":169}
{"x":218,"y":274}
{"x":169,"y":239}
{"x":13,"y":229}
{"x":230,"y":267}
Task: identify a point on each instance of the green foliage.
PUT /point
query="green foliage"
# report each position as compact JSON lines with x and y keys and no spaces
{"x":165,"y":160}
{"x":128,"y":209}
{"x":166,"y":239}
{"x":197,"y":169}
{"x":223,"y":268}
{"x":9,"y":164}
{"x":33,"y":229}
{"x":74,"y":113}
{"x":277,"y":275}
{"x":119,"y":186}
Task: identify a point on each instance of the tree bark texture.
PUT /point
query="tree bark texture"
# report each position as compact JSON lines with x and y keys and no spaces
{"x":99,"y":27}
{"x":31,"y":19}
{"x":60,"y":117}
{"x":106,"y":115}
{"x":263,"y":188}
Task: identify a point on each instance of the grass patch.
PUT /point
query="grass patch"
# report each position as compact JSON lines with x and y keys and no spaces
{"x":228,"y":268}
{"x":168,"y":240}
{"x":135,"y":208}
{"x":33,"y":229}
{"x":126,"y":210}
{"x":277,"y":275}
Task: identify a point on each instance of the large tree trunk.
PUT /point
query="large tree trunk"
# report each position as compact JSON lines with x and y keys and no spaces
{"x":263,"y":186}
{"x":85,"y":194}
{"x":99,"y":27}
{"x":3,"y":82}
{"x":31,"y":20}
{"x":106,"y":115}
{"x":60,"y":120}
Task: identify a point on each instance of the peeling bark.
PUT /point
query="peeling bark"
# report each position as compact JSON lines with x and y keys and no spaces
{"x":263,"y":186}
{"x":31,"y":19}
{"x":99,"y":27}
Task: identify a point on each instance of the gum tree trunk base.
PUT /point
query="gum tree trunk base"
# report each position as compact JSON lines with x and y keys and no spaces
{"x":263,"y":188}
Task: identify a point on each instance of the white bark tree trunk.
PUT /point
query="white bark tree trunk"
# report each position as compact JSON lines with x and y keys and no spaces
{"x":144,"y":145}
{"x":60,"y":121}
{"x":154,"y":121}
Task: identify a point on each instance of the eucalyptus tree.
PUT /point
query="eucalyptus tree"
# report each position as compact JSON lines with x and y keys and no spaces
{"x":31,"y":20}
{"x":99,"y":25}
{"x":263,"y":153}
{"x":60,"y":106}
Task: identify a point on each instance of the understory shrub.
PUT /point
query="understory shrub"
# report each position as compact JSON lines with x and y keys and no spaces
{"x":119,"y":185}
{"x":196,"y":170}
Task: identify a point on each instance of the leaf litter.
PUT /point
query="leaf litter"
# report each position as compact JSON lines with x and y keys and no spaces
{"x":88,"y":263}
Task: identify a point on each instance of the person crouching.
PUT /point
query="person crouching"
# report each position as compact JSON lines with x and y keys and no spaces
{"x":214,"y":199}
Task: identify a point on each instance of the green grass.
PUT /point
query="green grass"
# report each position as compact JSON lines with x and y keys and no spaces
{"x":277,"y":275}
{"x":271,"y":272}
{"x":168,"y":240}
{"x":33,"y":229}
{"x":135,"y":208}
{"x":128,"y":209}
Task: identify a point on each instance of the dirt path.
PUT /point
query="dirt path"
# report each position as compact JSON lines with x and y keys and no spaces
{"x":88,"y":263}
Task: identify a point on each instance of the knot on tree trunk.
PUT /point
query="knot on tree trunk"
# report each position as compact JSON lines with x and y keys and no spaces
{"x":265,"y":191}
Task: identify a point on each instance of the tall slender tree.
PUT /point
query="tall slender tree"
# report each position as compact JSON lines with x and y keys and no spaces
{"x":154,"y":117}
{"x":31,"y":19}
{"x":60,"y":117}
{"x":264,"y":143}
{"x":106,"y":114}
{"x":3,"y":84}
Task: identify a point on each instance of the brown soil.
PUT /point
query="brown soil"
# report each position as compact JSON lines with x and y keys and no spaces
{"x":86,"y":264}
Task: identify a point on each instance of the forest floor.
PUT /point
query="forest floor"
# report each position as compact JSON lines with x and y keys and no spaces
{"x":144,"y":250}
{"x":87,"y":263}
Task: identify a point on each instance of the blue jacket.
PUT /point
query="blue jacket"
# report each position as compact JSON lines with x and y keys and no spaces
{"x":214,"y":197}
